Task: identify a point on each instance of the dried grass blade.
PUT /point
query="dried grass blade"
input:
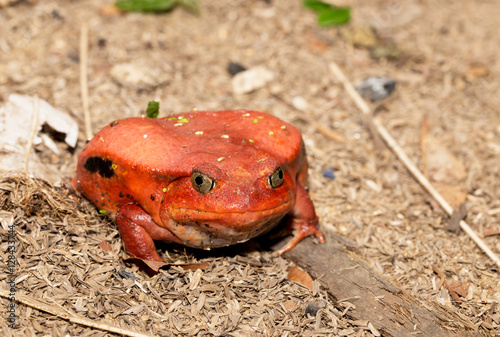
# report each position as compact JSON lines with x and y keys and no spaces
{"x":34,"y":126}
{"x":84,"y":86}
{"x":401,"y":155}
{"x":63,"y":314}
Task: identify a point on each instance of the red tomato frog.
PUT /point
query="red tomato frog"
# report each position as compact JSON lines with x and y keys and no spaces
{"x":201,"y":179}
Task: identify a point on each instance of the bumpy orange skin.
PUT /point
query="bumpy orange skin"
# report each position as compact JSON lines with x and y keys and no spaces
{"x":139,"y":171}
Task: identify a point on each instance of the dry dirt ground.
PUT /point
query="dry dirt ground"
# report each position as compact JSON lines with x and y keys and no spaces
{"x":448,"y":72}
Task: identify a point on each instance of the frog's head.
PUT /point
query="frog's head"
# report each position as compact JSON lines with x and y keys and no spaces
{"x":227,"y":200}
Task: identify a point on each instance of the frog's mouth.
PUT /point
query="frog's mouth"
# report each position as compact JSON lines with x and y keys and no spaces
{"x":202,"y":229}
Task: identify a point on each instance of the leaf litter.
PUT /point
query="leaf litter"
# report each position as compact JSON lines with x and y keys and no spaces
{"x":380,"y":213}
{"x":63,"y":263}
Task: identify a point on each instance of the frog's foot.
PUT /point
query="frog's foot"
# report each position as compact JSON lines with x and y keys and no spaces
{"x":301,"y":231}
{"x":303,"y":222}
{"x":138,"y":230}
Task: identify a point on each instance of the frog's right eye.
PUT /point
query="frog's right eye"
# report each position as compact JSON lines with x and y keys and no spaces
{"x":201,"y":182}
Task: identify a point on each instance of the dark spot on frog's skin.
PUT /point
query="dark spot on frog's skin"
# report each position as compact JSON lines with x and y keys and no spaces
{"x":152,"y":197}
{"x":101,"y":166}
{"x":114,"y":123}
{"x":120,"y":194}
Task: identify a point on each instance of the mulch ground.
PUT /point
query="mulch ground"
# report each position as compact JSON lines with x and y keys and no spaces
{"x":71,"y":262}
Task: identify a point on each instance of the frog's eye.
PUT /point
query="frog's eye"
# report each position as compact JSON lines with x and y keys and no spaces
{"x":201,"y":182}
{"x":276,"y":178}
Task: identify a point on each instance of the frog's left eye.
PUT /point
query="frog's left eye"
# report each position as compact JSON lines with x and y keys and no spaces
{"x":201,"y":182}
{"x":277,"y":178}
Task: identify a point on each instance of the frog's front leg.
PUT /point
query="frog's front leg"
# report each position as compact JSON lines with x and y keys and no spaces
{"x":303,"y":222}
{"x":138,"y":230}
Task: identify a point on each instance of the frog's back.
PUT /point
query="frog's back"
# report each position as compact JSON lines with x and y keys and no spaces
{"x":142,"y":154}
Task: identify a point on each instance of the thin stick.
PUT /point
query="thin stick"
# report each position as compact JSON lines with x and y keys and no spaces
{"x":84,"y":86}
{"x":68,"y":316}
{"x":401,"y":155}
{"x":34,"y":126}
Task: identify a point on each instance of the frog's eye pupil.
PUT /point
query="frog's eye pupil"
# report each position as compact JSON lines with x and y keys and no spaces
{"x":276,"y":179}
{"x":201,"y":182}
{"x":198,"y":180}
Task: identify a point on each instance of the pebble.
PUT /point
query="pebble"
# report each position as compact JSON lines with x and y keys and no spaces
{"x":251,"y":79}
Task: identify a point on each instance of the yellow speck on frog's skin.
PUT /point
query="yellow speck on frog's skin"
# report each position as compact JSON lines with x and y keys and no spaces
{"x":221,"y":159}
{"x":260,"y":117}
{"x":102,"y":211}
{"x":255,"y":121}
{"x":171,"y":118}
{"x":164,"y":189}
{"x":251,"y":141}
{"x":183,"y":119}
{"x":261,"y":160}
{"x":198,"y":133}
{"x":224,"y":136}
{"x":114,"y":166}
{"x":271,"y":133}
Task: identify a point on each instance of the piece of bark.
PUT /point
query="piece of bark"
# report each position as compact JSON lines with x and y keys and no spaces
{"x":391,"y":311}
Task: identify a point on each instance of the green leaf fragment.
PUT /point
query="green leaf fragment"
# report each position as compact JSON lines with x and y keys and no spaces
{"x":328,"y":15}
{"x":153,"y":109}
{"x":334,"y":16}
{"x":316,"y":5}
{"x":156,"y":5}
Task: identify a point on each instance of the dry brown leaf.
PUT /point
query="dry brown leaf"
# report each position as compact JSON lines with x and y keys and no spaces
{"x":298,"y":275}
{"x":193,"y":266}
{"x":104,"y":245}
{"x":454,"y":194}
{"x":109,"y":10}
{"x":455,"y":287}
{"x":153,"y":265}
{"x":290,"y":305}
{"x":475,"y":71}
{"x":442,"y":165}
{"x":491,"y":232}
{"x":459,"y":288}
{"x":443,"y":168}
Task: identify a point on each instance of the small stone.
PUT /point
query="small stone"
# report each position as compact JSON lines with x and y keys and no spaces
{"x":329,"y":173}
{"x":300,"y":103}
{"x":250,"y":80}
{"x":312,"y":310}
{"x":234,"y":68}
{"x":376,"y":88}
{"x":137,"y":76}
{"x":126,"y":274}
